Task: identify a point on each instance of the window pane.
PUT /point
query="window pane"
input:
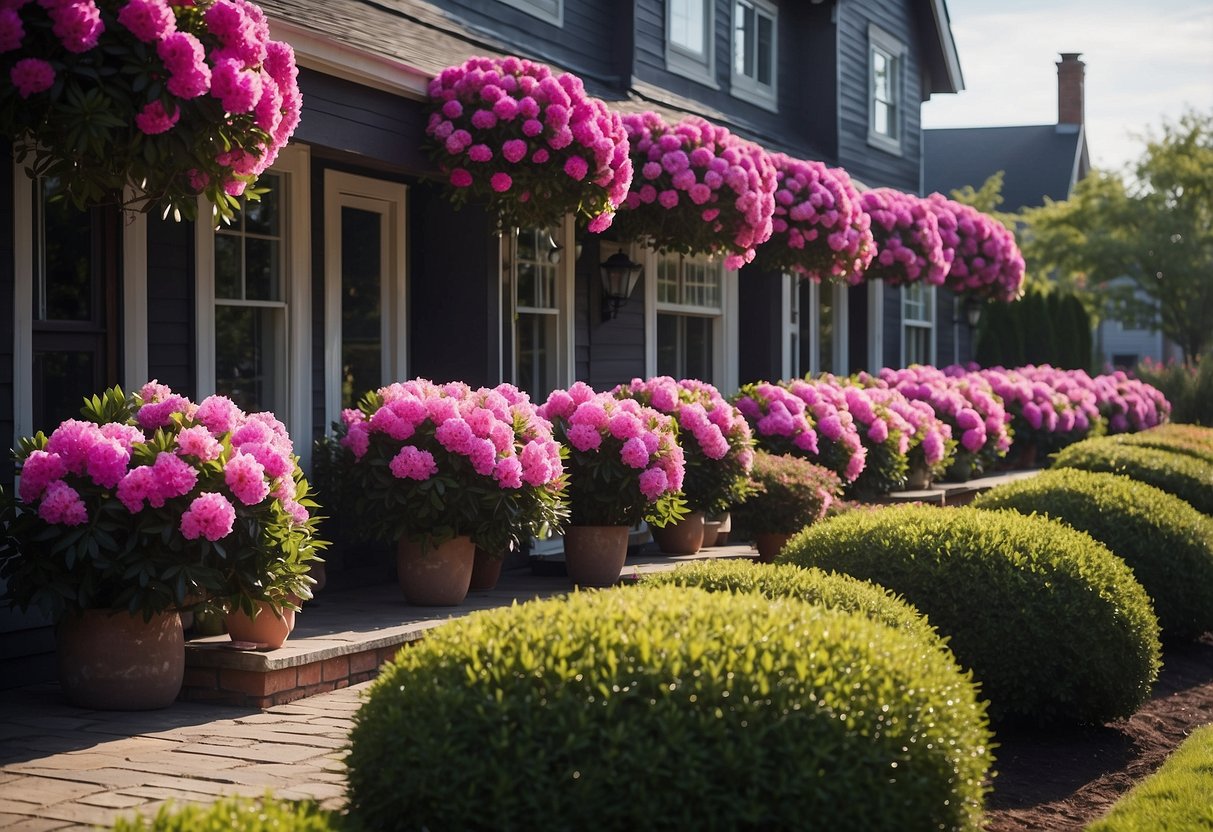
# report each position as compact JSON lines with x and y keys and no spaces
{"x":228,"y":283}
{"x":667,"y":280}
{"x":536,"y":366}
{"x":263,"y":216}
{"x":697,"y":349}
{"x":61,"y":381}
{"x":743,"y":40}
{"x":262,"y":269}
{"x":64,"y":290}
{"x":880,"y":117}
{"x":361,"y":319}
{"x":686,"y":25}
{"x":249,"y":351}
{"x":667,"y":346}
{"x":825,"y":330}
{"x":766,"y":49}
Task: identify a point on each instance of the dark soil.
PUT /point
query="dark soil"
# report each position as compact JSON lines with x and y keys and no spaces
{"x":1064,"y":780}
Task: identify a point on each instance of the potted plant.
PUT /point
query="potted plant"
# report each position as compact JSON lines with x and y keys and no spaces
{"x":718,"y":449}
{"x":148,"y":505}
{"x":624,"y":465}
{"x":146,"y":103}
{"x":445,"y":468}
{"x":789,"y":494}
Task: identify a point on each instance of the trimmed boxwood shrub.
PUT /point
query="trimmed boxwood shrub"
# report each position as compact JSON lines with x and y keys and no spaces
{"x":1174,"y":443}
{"x":235,"y":814}
{"x":1193,"y":433}
{"x":1185,"y":477}
{"x":1167,"y":543}
{"x":1054,"y":626}
{"x":829,"y":589}
{"x":669,"y":708}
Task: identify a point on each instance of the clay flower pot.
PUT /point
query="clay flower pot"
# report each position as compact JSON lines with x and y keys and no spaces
{"x":686,"y":537}
{"x":486,"y":571}
{"x":268,"y":630}
{"x":594,"y":555}
{"x":769,"y":544}
{"x":435,"y":576}
{"x":118,"y":661}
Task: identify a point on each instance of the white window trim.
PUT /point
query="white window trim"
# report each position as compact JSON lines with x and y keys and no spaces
{"x":747,"y":88}
{"x":725,"y":333}
{"x":565,"y":297}
{"x":879,"y":39}
{"x":681,"y":61}
{"x":390,"y":199}
{"x":134,"y":307}
{"x":789,"y":366}
{"x":875,"y":326}
{"x":294,"y":163}
{"x":921,"y":323}
{"x":536,"y":10}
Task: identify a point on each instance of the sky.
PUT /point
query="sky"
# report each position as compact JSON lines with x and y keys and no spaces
{"x":1146,"y":62}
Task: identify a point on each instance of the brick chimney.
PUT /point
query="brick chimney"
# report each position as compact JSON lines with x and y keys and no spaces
{"x":1070,"y":73}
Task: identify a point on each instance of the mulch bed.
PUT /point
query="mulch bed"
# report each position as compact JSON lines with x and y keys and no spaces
{"x":1064,"y":780}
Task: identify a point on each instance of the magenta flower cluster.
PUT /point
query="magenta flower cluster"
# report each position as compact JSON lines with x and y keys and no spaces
{"x":819,"y":229}
{"x":924,"y":430}
{"x":983,"y":258}
{"x":191,"y":61}
{"x":1129,"y":404}
{"x":532,"y":145}
{"x":222,"y":459}
{"x":908,"y":245}
{"x":698,"y":189}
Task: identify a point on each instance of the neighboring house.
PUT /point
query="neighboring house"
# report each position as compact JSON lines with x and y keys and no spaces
{"x":1038,"y":161}
{"x":354,"y":270}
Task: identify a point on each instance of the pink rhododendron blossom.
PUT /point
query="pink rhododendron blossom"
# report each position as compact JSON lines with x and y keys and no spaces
{"x":171,"y":477}
{"x":107,"y":462}
{"x":245,"y":476}
{"x":153,"y":119}
{"x":12,"y":31}
{"x":984,"y":260}
{"x":39,"y":470}
{"x":199,"y":443}
{"x":908,"y":246}
{"x":62,"y":504}
{"x":77,"y":23}
{"x":210,"y":515}
{"x":31,"y":76}
{"x":148,"y":20}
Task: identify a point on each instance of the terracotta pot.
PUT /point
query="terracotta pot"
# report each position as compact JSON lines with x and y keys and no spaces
{"x":682,"y":538}
{"x":486,"y":571}
{"x":919,"y":476}
{"x":594,"y":555}
{"x":269,"y":629}
{"x":769,"y":544}
{"x":726,"y":526}
{"x":711,"y":531}
{"x":435,"y":576}
{"x":118,"y":661}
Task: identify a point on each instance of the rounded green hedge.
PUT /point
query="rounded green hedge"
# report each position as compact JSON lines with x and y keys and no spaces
{"x":1167,"y":543}
{"x":1052,"y":624}
{"x":829,"y":589}
{"x":235,"y":814}
{"x":1184,"y":476}
{"x":669,"y":708}
{"x":1169,"y":442}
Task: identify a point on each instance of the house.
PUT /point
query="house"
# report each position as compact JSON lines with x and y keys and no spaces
{"x":355,"y":270}
{"x":1038,"y":162}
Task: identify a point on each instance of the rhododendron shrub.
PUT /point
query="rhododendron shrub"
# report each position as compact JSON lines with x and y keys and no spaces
{"x":717,"y":444}
{"x":697,"y":189}
{"x":908,"y":246}
{"x":1129,"y":404}
{"x":795,"y":418}
{"x":528,"y":143}
{"x":983,"y":258}
{"x":432,"y":462}
{"x":147,"y":103}
{"x":151,"y":500}
{"x":624,"y":460}
{"x":922,"y":438}
{"x":819,"y":229}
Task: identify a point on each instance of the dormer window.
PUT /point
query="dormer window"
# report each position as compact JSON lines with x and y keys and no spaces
{"x":885,"y":59}
{"x":549,"y":11}
{"x":688,"y":46}
{"x":754,"y":39}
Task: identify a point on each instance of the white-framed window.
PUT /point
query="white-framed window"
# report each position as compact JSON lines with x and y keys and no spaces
{"x":824,"y":326}
{"x":690,"y":42}
{"x":254,"y":300}
{"x":691,"y":318}
{"x":917,"y":324}
{"x":537,"y":296}
{"x":792,"y":338}
{"x":364,"y":285}
{"x":886,"y":56}
{"x":755,"y":35}
{"x":549,"y":11}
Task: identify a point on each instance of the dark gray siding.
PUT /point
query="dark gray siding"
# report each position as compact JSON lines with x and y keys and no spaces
{"x":806,"y":80}
{"x":607,"y":352}
{"x":760,"y":321}
{"x":171,"y":336}
{"x":7,"y":285}
{"x":871,"y":165}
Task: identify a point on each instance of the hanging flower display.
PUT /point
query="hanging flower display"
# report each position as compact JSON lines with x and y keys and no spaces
{"x":528,"y":143}
{"x":908,"y":246}
{"x":820,"y":231}
{"x":146,"y":103}
{"x":698,"y":189}
{"x":984,"y":260}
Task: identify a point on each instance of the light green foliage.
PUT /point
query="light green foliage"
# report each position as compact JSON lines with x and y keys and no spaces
{"x":1172,"y":443}
{"x":1054,"y":626}
{"x":1179,"y":474}
{"x":1167,"y":543}
{"x":1176,"y":798}
{"x":235,"y":814}
{"x":828,"y":589}
{"x":669,"y":708}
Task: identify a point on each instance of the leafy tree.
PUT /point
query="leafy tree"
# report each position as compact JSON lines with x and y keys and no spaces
{"x":1144,"y":245}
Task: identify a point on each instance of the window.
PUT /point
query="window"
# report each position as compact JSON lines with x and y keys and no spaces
{"x":754,"y":35}
{"x":692,"y":336}
{"x":535,"y":293}
{"x":885,"y":54}
{"x":917,"y":324}
{"x":792,"y":299}
{"x":689,"y":39}
{"x":549,"y":11}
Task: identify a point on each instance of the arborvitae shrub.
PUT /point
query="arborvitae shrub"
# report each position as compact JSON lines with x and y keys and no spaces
{"x":1178,"y":474}
{"x":1054,"y":626}
{"x":669,"y":708}
{"x":235,"y":814}
{"x":1167,"y":543}
{"x":828,"y":589}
